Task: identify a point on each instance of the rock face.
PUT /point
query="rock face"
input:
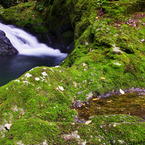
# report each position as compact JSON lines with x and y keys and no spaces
{"x":64,"y":42}
{"x":6,"y":48}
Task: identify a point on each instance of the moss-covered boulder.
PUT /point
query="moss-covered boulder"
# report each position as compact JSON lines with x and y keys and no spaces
{"x":37,"y":109}
{"x":109,"y":55}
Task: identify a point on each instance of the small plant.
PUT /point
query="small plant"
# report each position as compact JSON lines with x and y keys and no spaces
{"x":40,"y":6}
{"x":100,"y":2}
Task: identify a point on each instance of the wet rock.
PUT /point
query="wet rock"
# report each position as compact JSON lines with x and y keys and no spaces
{"x":6,"y":48}
{"x":64,"y":42}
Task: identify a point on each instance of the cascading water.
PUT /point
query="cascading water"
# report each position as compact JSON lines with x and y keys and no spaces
{"x":31,"y":54}
{"x":27,"y":44}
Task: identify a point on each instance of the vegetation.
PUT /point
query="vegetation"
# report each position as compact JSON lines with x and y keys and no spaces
{"x":109,"y":55}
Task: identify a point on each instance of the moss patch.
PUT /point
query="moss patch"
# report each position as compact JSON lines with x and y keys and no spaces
{"x":24,"y":15}
{"x":103,"y":129}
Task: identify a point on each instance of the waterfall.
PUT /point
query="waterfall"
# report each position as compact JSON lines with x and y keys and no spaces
{"x":31,"y":54}
{"x":28,"y":44}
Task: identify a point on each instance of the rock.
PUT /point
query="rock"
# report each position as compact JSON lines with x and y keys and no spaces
{"x":6,"y":48}
{"x":64,"y":42}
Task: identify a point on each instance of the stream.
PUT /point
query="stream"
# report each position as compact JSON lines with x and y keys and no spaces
{"x":31,"y":54}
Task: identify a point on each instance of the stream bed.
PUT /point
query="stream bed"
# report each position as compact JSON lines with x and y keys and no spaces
{"x":132,"y":103}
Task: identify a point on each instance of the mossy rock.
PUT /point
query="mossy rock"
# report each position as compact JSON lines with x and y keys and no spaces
{"x":40,"y":109}
{"x":24,"y":16}
{"x":110,"y":129}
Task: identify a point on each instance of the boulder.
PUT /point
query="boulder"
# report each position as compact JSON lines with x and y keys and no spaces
{"x":6,"y":48}
{"x":64,"y":42}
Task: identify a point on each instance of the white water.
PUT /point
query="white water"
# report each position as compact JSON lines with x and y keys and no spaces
{"x":27,"y":44}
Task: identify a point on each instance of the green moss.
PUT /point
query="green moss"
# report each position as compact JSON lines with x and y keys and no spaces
{"x":24,"y":15}
{"x":100,"y":39}
{"x":103,"y":129}
{"x":1,"y":9}
{"x":32,"y":131}
{"x":34,"y":102}
{"x":108,"y":55}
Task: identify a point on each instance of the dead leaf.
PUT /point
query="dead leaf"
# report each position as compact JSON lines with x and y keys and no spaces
{"x":121,"y":91}
{"x":103,"y":78}
{"x":95,"y":99}
{"x":88,"y":122}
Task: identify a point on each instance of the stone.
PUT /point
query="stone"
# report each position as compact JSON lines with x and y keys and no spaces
{"x":6,"y":48}
{"x":64,"y":42}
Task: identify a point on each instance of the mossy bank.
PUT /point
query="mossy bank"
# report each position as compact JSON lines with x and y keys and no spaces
{"x":109,"y":54}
